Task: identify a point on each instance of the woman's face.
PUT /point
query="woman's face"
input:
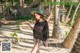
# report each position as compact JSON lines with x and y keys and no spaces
{"x":37,"y":16}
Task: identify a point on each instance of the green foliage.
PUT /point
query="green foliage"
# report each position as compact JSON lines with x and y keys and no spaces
{"x":74,"y":6}
{"x":66,"y":33}
{"x":72,"y":12}
{"x":25,"y":18}
{"x":18,"y":23}
{"x":73,"y":9}
{"x":1,"y":17}
{"x":15,"y":35}
{"x":76,"y":16}
{"x":17,"y":26}
{"x":28,"y":1}
{"x":67,"y":4}
{"x":16,"y":0}
{"x":72,"y":23}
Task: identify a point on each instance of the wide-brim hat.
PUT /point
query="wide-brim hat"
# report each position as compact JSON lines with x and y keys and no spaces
{"x":33,"y":12}
{"x":38,"y":11}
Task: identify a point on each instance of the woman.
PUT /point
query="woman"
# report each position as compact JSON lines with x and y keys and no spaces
{"x":40,"y":31}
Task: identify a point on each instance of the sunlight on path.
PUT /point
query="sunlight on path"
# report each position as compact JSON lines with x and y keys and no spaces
{"x":27,"y":42}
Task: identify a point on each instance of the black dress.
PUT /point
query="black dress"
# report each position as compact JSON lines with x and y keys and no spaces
{"x":41,"y":30}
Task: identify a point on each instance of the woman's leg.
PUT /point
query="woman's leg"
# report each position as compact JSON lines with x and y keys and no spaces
{"x":36,"y":46}
{"x":45,"y":43}
{"x":35,"y":41}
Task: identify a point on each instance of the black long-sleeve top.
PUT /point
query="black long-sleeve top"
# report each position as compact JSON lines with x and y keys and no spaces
{"x":41,"y":30}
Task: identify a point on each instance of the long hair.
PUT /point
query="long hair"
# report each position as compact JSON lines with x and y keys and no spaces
{"x":41,"y":16}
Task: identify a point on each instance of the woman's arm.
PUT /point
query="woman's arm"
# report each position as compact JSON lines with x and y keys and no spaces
{"x":24,"y":29}
{"x":31,"y":26}
{"x":21,"y":29}
{"x":28,"y":23}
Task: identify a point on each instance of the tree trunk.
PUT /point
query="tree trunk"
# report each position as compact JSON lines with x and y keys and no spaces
{"x":12,"y":2}
{"x":51,"y":12}
{"x":57,"y":31}
{"x":35,"y":4}
{"x":76,"y":47}
{"x":70,"y":39}
{"x":67,"y":17}
{"x":63,"y":16}
{"x":50,"y":16}
{"x":72,"y":18}
{"x":21,"y":3}
{"x":49,"y":8}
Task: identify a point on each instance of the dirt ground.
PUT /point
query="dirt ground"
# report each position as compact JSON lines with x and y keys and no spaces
{"x":27,"y":43}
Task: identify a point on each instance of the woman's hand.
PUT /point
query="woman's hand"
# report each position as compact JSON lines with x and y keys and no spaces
{"x":28,"y":23}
